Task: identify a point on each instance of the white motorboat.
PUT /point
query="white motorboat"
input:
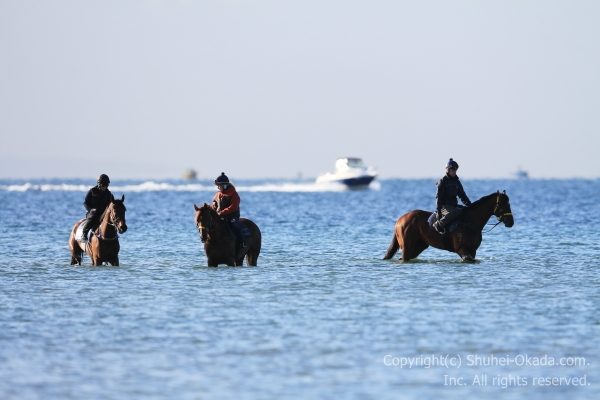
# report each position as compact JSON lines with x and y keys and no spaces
{"x":350,"y":171}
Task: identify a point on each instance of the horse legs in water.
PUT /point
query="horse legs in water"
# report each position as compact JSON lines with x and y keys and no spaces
{"x":76,"y":256}
{"x":467,"y":256}
{"x":252,"y":256}
{"x":413,"y":248}
{"x":213,"y":262}
{"x":410,"y":248}
{"x":76,"y":251}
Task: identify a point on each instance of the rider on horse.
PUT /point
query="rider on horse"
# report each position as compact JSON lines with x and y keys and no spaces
{"x":96,"y":201}
{"x":448,"y":188}
{"x":227,"y":204}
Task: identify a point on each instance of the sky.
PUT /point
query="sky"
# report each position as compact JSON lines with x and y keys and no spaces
{"x":261,"y":89}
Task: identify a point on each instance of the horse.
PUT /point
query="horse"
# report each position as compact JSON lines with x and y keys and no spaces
{"x":103,"y":246}
{"x":220,"y":242}
{"x":413,"y":232}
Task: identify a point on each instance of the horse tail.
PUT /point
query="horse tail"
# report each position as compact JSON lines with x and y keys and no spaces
{"x":394,"y":246}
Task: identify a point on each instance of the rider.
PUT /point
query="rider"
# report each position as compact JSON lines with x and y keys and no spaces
{"x":448,"y":188}
{"x":227,"y":204}
{"x":96,"y":201}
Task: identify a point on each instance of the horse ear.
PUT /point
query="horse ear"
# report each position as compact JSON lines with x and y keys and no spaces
{"x":504,"y":192}
{"x":196,"y":207}
{"x":123,"y":198}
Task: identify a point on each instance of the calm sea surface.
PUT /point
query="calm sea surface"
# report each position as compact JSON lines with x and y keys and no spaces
{"x":321,"y":317}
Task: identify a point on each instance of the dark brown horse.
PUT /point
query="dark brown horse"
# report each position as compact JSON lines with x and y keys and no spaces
{"x":220,"y":242}
{"x":413,"y":233}
{"x":104,"y":243}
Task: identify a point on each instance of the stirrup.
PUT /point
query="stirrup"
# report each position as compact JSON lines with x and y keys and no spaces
{"x":439,"y":229}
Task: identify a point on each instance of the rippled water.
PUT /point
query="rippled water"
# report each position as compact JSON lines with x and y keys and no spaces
{"x":322,"y":316}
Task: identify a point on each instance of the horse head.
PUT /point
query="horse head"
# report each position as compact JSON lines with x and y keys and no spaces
{"x":205,"y":218}
{"x":502,"y":209}
{"x":117,"y":214}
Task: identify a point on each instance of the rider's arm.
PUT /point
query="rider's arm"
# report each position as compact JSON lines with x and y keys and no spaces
{"x":462,"y":195}
{"x":215,"y":201}
{"x":87,"y":203}
{"x":234,"y":206}
{"x":439,"y":196}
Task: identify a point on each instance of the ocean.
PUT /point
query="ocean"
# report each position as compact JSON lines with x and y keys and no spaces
{"x":322,"y":316}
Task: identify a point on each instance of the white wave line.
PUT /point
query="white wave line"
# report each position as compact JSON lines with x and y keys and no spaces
{"x":152,"y":186}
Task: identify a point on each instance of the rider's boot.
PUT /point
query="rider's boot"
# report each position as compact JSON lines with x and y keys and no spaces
{"x":440,"y":226}
{"x":85,"y":230}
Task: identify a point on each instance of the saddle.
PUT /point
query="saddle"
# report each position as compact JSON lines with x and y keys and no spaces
{"x":79,"y":232}
{"x":453,"y":226}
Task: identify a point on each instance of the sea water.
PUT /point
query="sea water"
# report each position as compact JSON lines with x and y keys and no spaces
{"x":322,"y":316}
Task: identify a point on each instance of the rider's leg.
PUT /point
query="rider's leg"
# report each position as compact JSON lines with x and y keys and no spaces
{"x":237,"y":230}
{"x":240,"y":232}
{"x":89,"y":222}
{"x":449,"y":214}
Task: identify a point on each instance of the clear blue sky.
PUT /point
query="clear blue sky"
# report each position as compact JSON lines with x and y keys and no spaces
{"x":145,"y":89}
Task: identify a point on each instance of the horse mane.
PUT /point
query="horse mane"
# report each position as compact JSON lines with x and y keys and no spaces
{"x":104,"y":213}
{"x":211,"y":210}
{"x":112,"y":203}
{"x":482,"y":200}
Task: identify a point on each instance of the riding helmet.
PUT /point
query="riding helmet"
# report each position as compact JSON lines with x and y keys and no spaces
{"x":103,"y":180}
{"x":221,"y":179}
{"x":452,"y":164}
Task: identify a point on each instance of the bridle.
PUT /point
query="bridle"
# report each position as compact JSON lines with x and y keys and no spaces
{"x":114,"y":220}
{"x":497,"y":212}
{"x":203,"y":229}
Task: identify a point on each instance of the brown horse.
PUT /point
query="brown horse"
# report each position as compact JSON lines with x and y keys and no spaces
{"x":104,"y":243}
{"x":413,"y":233}
{"x":220,"y":242}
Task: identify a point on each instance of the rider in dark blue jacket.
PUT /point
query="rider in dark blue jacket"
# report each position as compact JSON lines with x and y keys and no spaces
{"x":96,"y":201}
{"x":448,"y":189}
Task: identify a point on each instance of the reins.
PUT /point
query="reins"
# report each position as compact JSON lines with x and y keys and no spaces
{"x":495,"y":225}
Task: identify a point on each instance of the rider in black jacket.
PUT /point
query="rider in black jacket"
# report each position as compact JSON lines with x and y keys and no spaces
{"x":448,"y":188}
{"x":96,"y":201}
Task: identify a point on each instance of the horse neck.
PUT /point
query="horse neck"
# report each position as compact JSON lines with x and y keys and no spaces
{"x":211,"y":225}
{"x":106,"y":229}
{"x":479,"y":214}
{"x":219,"y":227}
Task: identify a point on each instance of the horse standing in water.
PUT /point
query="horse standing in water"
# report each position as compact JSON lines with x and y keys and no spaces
{"x":413,"y":232}
{"x":220,"y":242}
{"x":103,"y":246}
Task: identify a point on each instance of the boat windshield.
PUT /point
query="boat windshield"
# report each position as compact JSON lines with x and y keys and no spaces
{"x":356,"y":163}
{"x":350,"y":162}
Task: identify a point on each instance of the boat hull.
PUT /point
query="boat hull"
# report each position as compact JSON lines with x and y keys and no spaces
{"x":358,"y":181}
{"x":351,"y":182}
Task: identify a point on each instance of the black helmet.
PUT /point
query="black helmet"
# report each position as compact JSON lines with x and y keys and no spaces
{"x":221,"y":179}
{"x":103,"y":180}
{"x":452,"y":164}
